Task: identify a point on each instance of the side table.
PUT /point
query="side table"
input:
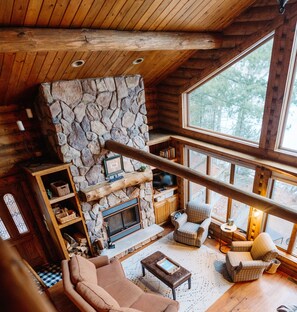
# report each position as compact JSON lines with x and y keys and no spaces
{"x":226,"y":229}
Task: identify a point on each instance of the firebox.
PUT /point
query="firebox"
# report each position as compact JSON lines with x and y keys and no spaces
{"x":122,"y":219}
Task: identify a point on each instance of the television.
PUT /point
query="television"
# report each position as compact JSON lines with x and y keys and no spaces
{"x":113,"y":166}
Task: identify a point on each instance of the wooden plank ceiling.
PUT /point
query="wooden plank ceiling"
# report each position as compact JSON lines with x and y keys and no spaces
{"x":21,"y":72}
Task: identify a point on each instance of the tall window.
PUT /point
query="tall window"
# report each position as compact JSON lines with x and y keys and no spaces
{"x":281,"y":230}
{"x":197,"y":161}
{"x":220,"y":170}
{"x":232,"y":103}
{"x":223,"y":207}
{"x":244,"y":180}
{"x":288,"y":139}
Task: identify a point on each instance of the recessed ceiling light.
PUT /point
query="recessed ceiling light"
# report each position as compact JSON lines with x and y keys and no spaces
{"x":138,"y":61}
{"x":78,"y":63}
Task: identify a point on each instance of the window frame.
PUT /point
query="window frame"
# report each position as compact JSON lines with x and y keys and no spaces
{"x":292,"y":74}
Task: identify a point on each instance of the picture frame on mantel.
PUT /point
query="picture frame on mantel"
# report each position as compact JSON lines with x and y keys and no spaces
{"x":113,"y":166}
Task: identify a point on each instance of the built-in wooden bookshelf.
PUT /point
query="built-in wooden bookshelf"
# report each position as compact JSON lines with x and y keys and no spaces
{"x":41,"y":177}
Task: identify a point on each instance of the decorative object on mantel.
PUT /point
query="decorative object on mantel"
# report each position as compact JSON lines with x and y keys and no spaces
{"x":100,"y":190}
{"x":142,"y":168}
{"x":113,"y":167}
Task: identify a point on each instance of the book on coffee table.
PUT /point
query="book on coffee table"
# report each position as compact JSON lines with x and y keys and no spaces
{"x":167,"y":265}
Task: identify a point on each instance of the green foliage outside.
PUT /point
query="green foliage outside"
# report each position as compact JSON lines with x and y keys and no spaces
{"x":233,"y":101}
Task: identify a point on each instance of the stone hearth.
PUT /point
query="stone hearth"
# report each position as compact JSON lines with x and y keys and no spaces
{"x":78,"y":117}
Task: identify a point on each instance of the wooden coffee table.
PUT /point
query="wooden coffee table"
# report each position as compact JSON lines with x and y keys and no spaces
{"x":171,"y":280}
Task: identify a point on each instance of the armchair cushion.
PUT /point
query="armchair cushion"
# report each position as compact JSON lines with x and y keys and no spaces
{"x":197,"y":215}
{"x":263,"y":245}
{"x":235,"y":258}
{"x":99,"y":261}
{"x":81,"y":270}
{"x":241,"y":245}
{"x":189,"y":230}
{"x":148,"y":303}
{"x":96,"y":296}
{"x":110,"y":274}
{"x":124,"y":292}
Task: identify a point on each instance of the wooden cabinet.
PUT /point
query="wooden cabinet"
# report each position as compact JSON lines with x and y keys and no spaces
{"x":165,"y":207}
{"x":165,"y":201}
{"x":70,"y":226}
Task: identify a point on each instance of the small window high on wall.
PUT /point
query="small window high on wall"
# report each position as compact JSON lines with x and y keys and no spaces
{"x":232,"y":102}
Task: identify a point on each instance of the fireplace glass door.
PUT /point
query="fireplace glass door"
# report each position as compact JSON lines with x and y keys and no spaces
{"x":122,"y":220}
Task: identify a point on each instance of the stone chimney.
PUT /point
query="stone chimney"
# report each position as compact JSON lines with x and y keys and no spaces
{"x":78,"y":117}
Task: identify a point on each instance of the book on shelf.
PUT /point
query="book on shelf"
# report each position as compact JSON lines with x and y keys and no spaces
{"x":168,"y":152}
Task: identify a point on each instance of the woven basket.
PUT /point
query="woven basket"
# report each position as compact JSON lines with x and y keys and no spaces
{"x":64,"y":217}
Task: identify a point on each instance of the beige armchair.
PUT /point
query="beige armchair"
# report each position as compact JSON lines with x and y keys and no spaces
{"x":247,"y":260}
{"x":191,"y":227}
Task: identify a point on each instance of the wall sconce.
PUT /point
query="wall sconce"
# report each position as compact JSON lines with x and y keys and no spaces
{"x":29,"y":113}
{"x":256,"y":213}
{"x":282,"y":4}
{"x":20,"y":125}
{"x":29,"y":149}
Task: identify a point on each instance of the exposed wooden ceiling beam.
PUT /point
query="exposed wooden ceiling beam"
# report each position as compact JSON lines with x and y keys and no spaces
{"x":264,"y":204}
{"x":50,"y":39}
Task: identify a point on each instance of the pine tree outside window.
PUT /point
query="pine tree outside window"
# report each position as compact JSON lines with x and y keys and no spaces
{"x":232,"y":102}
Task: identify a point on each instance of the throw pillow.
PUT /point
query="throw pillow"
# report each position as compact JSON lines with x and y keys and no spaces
{"x":96,"y":296}
{"x":81,"y":270}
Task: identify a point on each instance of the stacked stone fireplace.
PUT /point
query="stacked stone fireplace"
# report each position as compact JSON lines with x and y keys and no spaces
{"x":77,"y":118}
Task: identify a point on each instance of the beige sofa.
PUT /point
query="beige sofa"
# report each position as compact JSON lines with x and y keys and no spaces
{"x":98,"y":284}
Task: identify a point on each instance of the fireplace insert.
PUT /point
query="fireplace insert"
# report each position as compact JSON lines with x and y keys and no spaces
{"x":122,"y":220}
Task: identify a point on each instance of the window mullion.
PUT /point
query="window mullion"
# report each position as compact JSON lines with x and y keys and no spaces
{"x":208,"y":171}
{"x":292,"y":239}
{"x":231,"y":181}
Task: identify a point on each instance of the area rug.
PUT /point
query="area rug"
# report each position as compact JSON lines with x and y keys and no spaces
{"x":209,"y":277}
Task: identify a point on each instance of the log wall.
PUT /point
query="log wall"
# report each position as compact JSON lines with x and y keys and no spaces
{"x":152,"y":108}
{"x":17,"y":146}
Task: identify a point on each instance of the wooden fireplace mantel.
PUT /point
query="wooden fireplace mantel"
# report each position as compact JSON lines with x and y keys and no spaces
{"x":100,"y":190}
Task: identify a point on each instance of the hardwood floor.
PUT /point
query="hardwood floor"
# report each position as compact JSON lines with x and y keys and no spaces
{"x":264,"y":294}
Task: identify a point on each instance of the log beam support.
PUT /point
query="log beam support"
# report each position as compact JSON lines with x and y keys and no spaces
{"x":80,"y":40}
{"x":264,"y":204}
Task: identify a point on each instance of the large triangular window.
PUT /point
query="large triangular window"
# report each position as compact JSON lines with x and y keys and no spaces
{"x":232,"y":102}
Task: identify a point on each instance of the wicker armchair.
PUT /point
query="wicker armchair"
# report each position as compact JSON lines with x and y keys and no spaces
{"x":247,"y":260}
{"x":191,"y":227}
